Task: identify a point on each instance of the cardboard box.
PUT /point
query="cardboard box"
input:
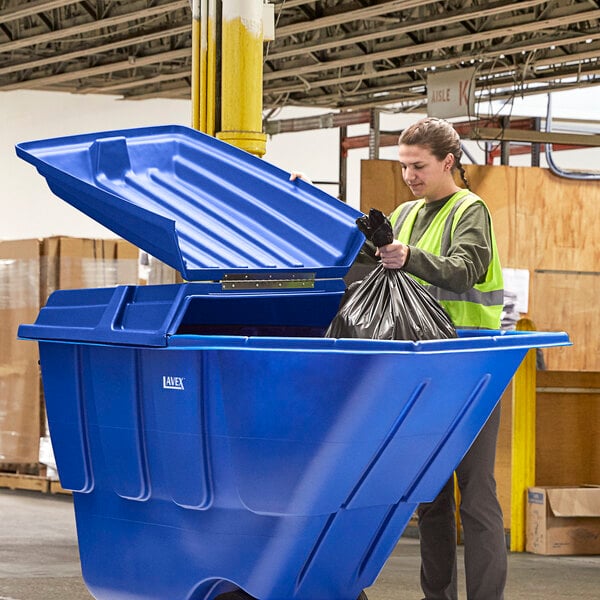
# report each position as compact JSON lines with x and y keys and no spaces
{"x":73,"y":263}
{"x":20,"y":404}
{"x":30,"y":270}
{"x":125,"y":258}
{"x":563,"y":520}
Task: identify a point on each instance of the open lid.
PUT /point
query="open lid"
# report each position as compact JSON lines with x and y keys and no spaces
{"x":202,"y":206}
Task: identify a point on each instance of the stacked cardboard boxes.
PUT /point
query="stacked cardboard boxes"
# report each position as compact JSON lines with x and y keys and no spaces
{"x":30,"y":270}
{"x":72,"y":263}
{"x":20,"y":413}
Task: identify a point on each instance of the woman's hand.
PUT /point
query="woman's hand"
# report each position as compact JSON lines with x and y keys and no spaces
{"x":394,"y":255}
{"x":299,"y":175}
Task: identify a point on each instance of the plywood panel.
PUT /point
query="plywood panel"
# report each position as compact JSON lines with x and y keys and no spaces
{"x":381,"y":186}
{"x":558,"y":221}
{"x":566,"y":301}
{"x":496,"y":186}
{"x":568,"y":429}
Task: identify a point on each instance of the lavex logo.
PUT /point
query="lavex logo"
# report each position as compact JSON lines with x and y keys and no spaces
{"x":172,"y":383}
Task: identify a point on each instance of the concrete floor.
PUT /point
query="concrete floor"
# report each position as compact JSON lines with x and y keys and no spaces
{"x":39,"y":560}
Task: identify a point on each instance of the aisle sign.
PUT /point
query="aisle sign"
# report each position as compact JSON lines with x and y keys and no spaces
{"x":451,"y":93}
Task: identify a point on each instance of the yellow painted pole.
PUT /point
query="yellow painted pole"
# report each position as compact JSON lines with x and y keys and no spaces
{"x":523,"y":441}
{"x":199,"y":49}
{"x":211,"y":66}
{"x":241,"y":75}
{"x":457,"y":510}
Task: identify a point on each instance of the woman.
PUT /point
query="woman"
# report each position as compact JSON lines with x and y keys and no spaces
{"x":446,"y":240}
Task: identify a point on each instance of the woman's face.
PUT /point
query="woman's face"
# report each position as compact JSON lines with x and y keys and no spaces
{"x":426,"y":176}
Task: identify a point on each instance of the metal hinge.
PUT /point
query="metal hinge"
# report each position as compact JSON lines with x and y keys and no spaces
{"x":268,"y":281}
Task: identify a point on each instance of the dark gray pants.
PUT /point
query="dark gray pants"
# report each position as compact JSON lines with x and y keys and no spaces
{"x":483,"y":527}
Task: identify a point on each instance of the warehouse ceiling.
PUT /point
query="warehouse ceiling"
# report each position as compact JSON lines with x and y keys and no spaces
{"x":335,"y":54}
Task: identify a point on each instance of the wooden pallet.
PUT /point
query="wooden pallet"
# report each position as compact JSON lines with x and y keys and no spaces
{"x":18,"y":481}
{"x":56,"y":488}
{"x":37,"y":483}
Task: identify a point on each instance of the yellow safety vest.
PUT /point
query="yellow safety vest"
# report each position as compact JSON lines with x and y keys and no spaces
{"x":479,"y":307}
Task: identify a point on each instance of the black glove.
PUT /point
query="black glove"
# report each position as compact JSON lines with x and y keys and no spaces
{"x":376,"y":228}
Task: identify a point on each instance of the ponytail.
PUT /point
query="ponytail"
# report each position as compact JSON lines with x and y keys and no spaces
{"x":463,"y":175}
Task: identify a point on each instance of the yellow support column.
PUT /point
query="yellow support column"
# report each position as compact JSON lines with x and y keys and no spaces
{"x":457,"y":510}
{"x":199,"y":51}
{"x":211,"y":66}
{"x":241,"y":75}
{"x":523,"y":441}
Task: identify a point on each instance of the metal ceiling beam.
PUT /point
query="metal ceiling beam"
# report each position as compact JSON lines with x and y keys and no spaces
{"x":418,"y":97}
{"x":54,"y":36}
{"x":435,"y":45}
{"x":533,"y":137}
{"x":410,"y":91}
{"x":550,"y":80}
{"x":67,"y":56}
{"x":410,"y":99}
{"x":345,"y":119}
{"x":518,"y":28}
{"x":551,"y":87}
{"x":567,"y":58}
{"x":100,"y":70}
{"x":326,"y":121}
{"x":292,"y":3}
{"x":135,"y":83}
{"x":509,"y":77}
{"x":179,"y":93}
{"x":33,"y":8}
{"x":359,"y":14}
{"x":418,"y":66}
{"x":416,"y":25}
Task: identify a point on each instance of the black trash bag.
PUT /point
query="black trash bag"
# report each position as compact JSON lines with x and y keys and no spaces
{"x":388,"y":304}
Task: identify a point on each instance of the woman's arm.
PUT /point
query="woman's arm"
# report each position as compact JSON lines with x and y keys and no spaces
{"x":467,"y":261}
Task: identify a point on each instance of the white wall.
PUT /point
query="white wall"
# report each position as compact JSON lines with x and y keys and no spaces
{"x":29,"y":209}
{"x":316,"y":152}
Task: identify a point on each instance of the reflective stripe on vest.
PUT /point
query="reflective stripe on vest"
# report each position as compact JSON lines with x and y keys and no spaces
{"x":481,"y":306}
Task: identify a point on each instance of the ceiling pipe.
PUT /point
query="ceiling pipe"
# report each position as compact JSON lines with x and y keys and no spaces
{"x":324,"y":121}
{"x":579,"y":175}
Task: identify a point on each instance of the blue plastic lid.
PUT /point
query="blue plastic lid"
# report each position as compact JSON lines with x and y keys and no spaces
{"x":202,"y":206}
